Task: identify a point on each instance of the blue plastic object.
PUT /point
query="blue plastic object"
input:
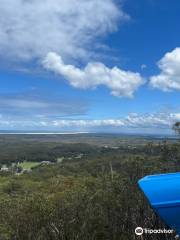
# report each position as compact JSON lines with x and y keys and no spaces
{"x":163,"y":193}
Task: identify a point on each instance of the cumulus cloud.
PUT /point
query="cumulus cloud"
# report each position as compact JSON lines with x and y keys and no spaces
{"x":169,"y":77}
{"x":134,"y":121}
{"x":30,"y":29}
{"x":52,"y":30}
{"x":121,"y":83}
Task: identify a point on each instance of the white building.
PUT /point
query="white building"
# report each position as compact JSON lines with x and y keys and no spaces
{"x":4,"y":168}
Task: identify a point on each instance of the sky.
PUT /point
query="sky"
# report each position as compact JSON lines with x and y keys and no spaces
{"x":90,"y":66}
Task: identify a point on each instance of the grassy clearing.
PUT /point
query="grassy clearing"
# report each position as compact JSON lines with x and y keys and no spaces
{"x":29,"y":165}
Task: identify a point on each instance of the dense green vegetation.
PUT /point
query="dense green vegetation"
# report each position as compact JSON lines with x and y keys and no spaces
{"x":92,"y":194}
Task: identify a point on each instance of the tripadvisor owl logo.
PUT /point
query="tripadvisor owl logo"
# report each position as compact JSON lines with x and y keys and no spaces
{"x":139,"y":231}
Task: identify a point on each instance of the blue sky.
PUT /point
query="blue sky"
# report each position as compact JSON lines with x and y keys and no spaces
{"x":110,"y":66}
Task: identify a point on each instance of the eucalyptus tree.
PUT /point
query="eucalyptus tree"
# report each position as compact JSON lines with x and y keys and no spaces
{"x":176,"y":128}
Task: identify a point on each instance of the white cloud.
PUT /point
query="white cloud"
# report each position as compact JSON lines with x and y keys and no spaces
{"x":121,"y":83}
{"x":149,"y":121}
{"x":169,"y":77}
{"x":88,"y":123}
{"x":157,"y":120}
{"x":32,"y":28}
